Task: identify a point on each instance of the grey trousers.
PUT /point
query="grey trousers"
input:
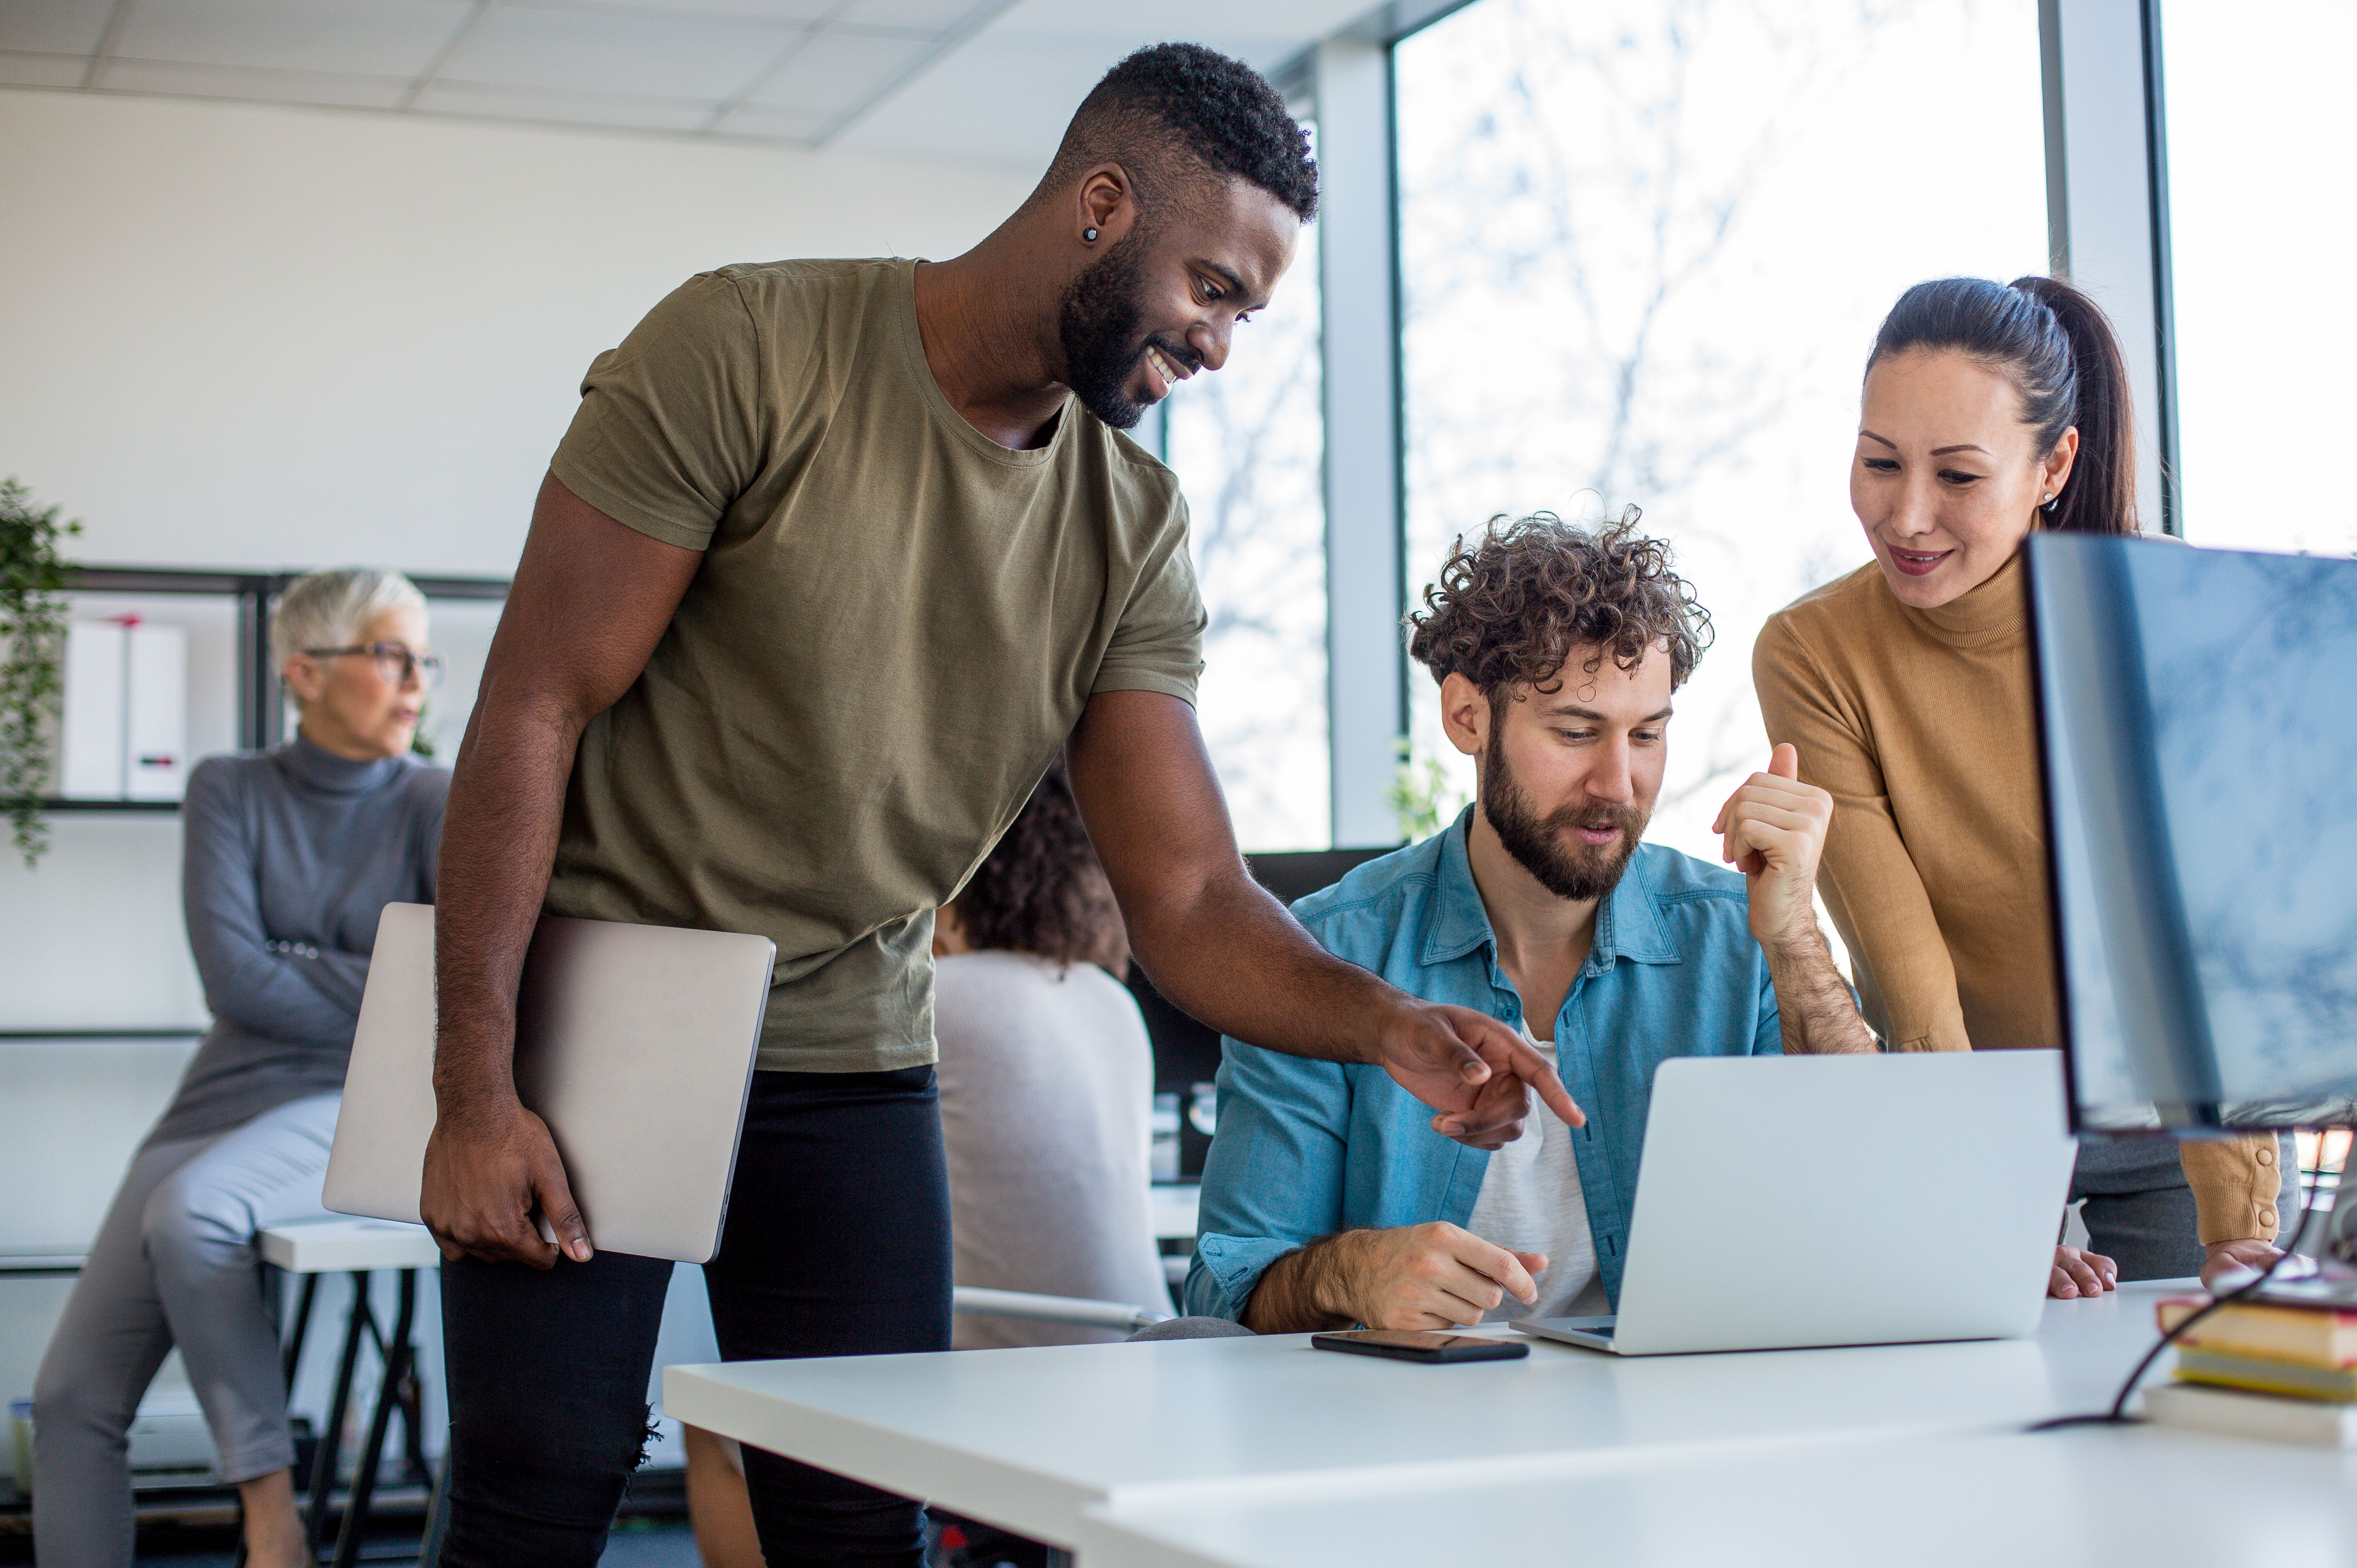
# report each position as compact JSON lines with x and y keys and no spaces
{"x":174,"y":1263}
{"x":2139,"y":1213}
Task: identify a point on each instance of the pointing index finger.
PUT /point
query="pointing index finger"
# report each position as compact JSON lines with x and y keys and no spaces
{"x":1539,"y":1073}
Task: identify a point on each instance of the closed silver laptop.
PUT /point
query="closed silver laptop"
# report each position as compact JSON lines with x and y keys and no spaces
{"x":635,"y":1043}
{"x":1792,"y":1201}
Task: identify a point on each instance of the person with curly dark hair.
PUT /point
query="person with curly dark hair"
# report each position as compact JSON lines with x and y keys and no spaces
{"x":1325,"y":1201}
{"x":834,"y":559}
{"x":1047,"y":1080}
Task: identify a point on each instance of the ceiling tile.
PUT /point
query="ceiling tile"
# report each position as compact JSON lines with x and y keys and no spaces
{"x":366,"y":37}
{"x":581,"y":51}
{"x":1011,"y":88}
{"x":22,"y":69}
{"x":764,"y":124}
{"x":800,"y":12}
{"x":925,"y":16}
{"x":253,"y":86}
{"x":616,"y":111}
{"x":836,"y":72}
{"x":53,"y":26}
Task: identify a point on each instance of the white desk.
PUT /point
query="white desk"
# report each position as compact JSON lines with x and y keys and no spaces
{"x":2141,"y":1496}
{"x":1032,"y":1439}
{"x":358,"y":1247}
{"x":337,"y":1246}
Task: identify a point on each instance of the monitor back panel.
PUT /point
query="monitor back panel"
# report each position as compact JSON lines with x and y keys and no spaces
{"x":1792,"y":1201}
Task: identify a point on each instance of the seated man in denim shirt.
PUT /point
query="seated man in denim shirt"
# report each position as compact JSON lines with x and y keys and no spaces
{"x":1327,"y":1198}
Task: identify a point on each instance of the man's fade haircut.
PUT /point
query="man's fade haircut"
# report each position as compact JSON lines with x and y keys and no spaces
{"x":1172,"y":112}
{"x":1513,"y":607}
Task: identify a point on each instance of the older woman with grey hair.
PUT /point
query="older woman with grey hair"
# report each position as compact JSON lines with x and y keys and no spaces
{"x":289,"y":856}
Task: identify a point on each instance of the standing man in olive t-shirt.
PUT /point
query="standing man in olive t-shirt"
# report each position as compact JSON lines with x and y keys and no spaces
{"x":834,"y":558}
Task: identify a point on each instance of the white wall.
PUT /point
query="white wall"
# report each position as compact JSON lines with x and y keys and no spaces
{"x":260,"y":336}
{"x":240,"y":336}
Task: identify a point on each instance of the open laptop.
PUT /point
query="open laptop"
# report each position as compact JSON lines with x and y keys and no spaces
{"x":635,"y":1043}
{"x":1794,"y":1201}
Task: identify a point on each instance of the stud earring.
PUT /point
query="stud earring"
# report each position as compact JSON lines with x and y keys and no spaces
{"x":1090,"y":235}
{"x":2048,"y":505}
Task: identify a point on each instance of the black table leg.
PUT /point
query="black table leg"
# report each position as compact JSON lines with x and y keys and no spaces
{"x":371,"y":1453}
{"x":294,"y":1356}
{"x":323,"y":1468}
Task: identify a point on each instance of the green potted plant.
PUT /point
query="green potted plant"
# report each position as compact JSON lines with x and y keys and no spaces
{"x":32,"y":651}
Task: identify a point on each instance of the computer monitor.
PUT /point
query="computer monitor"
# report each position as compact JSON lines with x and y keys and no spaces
{"x":2198,"y":720}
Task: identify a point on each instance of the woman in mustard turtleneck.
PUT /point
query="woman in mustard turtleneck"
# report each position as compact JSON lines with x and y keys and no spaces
{"x":1989,"y":411}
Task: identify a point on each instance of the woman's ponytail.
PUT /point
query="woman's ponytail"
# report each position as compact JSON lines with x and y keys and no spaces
{"x":2059,"y":350}
{"x":2100,"y":497}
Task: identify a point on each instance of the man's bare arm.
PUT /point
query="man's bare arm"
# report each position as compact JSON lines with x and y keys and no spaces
{"x":1814,"y":1007}
{"x":1302,"y":1292}
{"x":591,"y":600}
{"x":1216,"y":944}
{"x":1435,"y":1275}
{"x":1774,"y":829}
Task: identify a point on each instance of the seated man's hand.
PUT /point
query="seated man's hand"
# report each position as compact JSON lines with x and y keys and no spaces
{"x":1427,"y":1276}
{"x":1773,"y":831}
{"x":1473,"y":1070}
{"x":2078,"y":1274}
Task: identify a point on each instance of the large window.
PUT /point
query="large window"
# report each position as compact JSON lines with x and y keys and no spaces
{"x":1248,"y":444}
{"x":1645,"y":246}
{"x":2261,"y":233}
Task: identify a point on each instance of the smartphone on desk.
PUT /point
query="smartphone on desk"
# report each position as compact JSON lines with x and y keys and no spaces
{"x":1421,"y":1345}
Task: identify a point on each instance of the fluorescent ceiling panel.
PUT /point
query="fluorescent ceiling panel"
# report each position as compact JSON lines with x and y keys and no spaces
{"x":774,"y":124}
{"x":599,"y":52}
{"x":834,"y":71}
{"x":566,"y":109}
{"x":365,"y":37}
{"x":791,"y":13}
{"x":921,"y":16}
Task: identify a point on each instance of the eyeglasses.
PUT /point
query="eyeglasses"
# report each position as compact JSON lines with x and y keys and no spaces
{"x":393,"y":660}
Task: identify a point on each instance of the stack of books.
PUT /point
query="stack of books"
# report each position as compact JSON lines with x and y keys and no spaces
{"x":2282,"y":1365}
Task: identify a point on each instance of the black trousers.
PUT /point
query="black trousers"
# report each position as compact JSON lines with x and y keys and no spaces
{"x":838,"y":1243}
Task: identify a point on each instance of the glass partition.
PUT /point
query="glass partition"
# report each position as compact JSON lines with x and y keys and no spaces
{"x":1248,"y":444}
{"x":2258,"y":137}
{"x":1645,"y":245}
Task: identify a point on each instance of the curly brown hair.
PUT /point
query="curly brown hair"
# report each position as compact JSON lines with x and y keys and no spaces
{"x":1042,"y":889}
{"x":1513,"y":605}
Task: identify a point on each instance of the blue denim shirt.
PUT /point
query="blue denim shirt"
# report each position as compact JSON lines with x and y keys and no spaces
{"x":1307,"y":1148}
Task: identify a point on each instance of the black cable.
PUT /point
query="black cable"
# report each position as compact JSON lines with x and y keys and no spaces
{"x":2118,"y":1415}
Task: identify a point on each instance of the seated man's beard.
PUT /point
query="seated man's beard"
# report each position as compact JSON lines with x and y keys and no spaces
{"x":1098,"y":323}
{"x":1567,"y":870}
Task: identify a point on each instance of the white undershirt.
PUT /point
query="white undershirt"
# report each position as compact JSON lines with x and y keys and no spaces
{"x":1531,"y":1201}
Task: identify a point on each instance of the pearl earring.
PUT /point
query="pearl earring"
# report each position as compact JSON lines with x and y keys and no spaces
{"x":1090,"y":235}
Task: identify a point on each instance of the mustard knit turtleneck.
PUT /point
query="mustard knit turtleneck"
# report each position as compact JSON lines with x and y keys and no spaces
{"x":1920,"y":723}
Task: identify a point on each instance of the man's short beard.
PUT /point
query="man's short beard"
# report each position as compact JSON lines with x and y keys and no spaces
{"x":1098,"y":320}
{"x":1577,"y":871}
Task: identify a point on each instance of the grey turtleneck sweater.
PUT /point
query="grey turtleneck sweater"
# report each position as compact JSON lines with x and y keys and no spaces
{"x":289,"y":857}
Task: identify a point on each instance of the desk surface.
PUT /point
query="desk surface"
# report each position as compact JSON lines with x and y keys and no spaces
{"x":2091,"y":1496}
{"x":1030,"y":1438}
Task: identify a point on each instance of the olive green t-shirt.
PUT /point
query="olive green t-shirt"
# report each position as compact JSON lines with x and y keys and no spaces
{"x":895,"y":625}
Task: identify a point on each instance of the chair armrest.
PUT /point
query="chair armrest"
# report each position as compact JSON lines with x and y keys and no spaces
{"x":1054,"y":1308}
